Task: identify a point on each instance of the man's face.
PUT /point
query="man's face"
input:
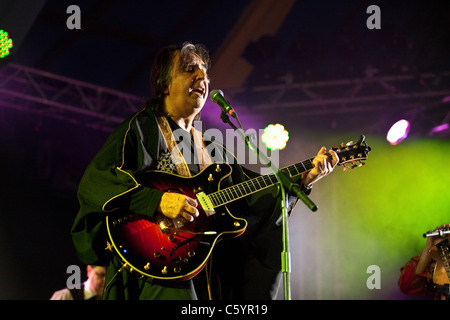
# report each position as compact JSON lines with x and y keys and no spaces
{"x":188,"y":90}
{"x":97,"y":276}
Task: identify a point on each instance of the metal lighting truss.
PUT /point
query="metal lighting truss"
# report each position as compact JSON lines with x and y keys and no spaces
{"x":406,"y":91}
{"x":66,"y":99}
{"x":32,"y":90}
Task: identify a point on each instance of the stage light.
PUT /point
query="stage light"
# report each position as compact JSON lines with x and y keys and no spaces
{"x":6,"y":44}
{"x":440,"y":130}
{"x":275,"y":137}
{"x":398,"y":132}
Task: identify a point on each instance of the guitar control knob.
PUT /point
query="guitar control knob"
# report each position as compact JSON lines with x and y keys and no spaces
{"x":157,"y":254}
{"x":172,"y":238}
{"x":177,"y":270}
{"x":197,"y":190}
{"x":191,"y":253}
{"x":164,"y":270}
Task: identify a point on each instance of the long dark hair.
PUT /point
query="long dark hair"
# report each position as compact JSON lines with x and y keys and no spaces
{"x":160,"y":76}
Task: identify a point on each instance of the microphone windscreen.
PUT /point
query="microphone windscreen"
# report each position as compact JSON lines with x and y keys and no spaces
{"x":213,"y":94}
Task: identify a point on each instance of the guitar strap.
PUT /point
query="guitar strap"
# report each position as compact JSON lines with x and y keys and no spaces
{"x":177,"y":157}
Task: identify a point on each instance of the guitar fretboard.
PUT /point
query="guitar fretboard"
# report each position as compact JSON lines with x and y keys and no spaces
{"x":254,"y":185}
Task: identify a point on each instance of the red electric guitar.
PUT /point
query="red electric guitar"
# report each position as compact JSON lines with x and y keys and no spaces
{"x":167,"y":250}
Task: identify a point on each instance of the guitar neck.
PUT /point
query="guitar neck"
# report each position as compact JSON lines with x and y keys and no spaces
{"x":257,"y":184}
{"x":349,"y":153}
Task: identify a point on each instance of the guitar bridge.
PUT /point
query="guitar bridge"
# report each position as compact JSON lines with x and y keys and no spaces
{"x":206,"y":203}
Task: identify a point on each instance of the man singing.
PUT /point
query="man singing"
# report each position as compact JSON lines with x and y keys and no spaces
{"x":246,"y":267}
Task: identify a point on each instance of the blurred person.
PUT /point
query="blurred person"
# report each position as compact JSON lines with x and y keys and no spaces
{"x":91,"y":289}
{"x":418,"y":275}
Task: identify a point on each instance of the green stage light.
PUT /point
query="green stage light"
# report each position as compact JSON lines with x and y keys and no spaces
{"x":6,"y":44}
{"x":275,"y":137}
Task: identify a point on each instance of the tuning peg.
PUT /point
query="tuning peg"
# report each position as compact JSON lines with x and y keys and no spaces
{"x":345,"y":167}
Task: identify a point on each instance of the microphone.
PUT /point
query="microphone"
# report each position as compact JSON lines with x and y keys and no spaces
{"x":216,"y":96}
{"x":437,"y":232}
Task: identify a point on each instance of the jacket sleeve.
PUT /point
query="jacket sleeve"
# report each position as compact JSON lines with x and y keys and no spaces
{"x":410,"y":283}
{"x":109,"y":185}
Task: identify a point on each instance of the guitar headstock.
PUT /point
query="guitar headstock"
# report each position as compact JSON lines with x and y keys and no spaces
{"x":352,"y":155}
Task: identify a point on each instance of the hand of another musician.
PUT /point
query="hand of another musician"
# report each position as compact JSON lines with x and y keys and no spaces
{"x":425,"y":258}
{"x":432,"y":241}
{"x":176,"y":206}
{"x":323,"y":165}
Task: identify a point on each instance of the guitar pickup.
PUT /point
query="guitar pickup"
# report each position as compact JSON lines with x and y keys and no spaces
{"x":206,"y":203}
